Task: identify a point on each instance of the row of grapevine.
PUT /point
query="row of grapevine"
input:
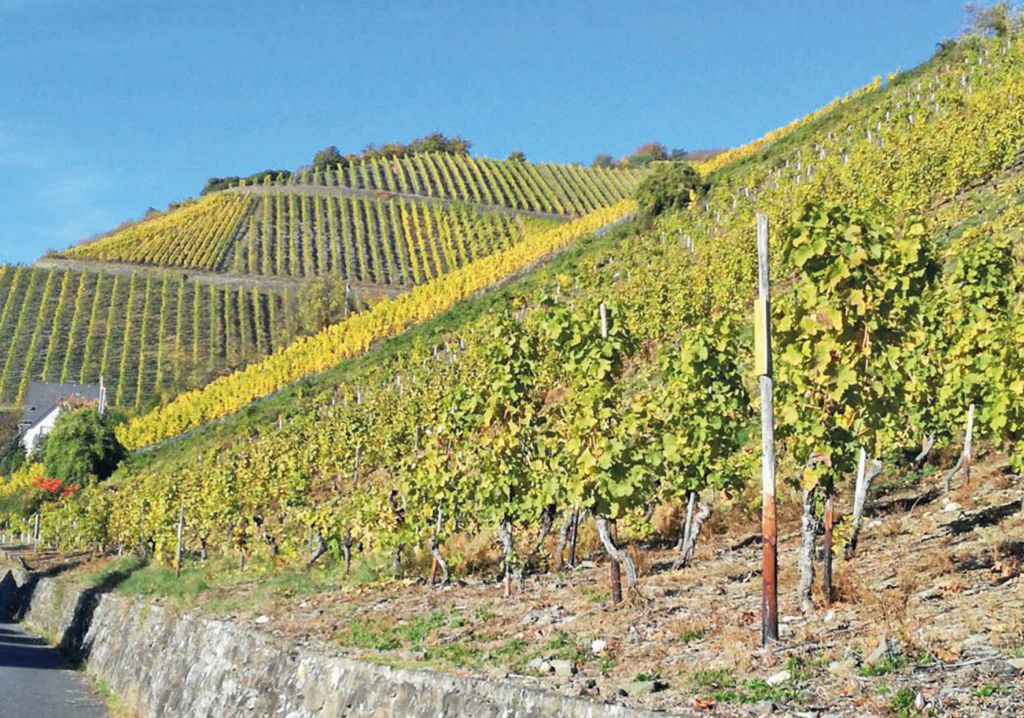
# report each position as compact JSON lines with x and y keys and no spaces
{"x":566,"y":190}
{"x":394,"y":242}
{"x":723,"y":159}
{"x":197,"y":235}
{"x":302,"y":233}
{"x":353,"y":336}
{"x":537,"y":405}
{"x":147,"y":333}
{"x":900,"y":303}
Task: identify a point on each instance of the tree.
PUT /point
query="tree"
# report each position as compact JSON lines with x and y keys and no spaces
{"x":669,"y":187}
{"x":11,"y":455}
{"x":322,"y":303}
{"x":645,"y":154}
{"x":677,"y":155}
{"x":82,"y":445}
{"x":327,"y":158}
{"x":998,"y":20}
{"x":603,"y":160}
{"x":437,"y":142}
{"x":392,"y":149}
{"x":517,"y":156}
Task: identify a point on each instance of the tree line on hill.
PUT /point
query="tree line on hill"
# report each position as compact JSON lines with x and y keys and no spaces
{"x":330,"y":157}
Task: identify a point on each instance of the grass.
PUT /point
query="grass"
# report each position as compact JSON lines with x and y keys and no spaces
{"x":116,"y":707}
{"x":691,"y":636}
{"x":888,"y":664}
{"x":595,"y":595}
{"x":892,"y":663}
{"x":722,"y":685}
{"x":427,"y":635}
{"x":645,"y":676}
{"x":902,"y":703}
{"x":987,"y":690}
{"x":225,"y":588}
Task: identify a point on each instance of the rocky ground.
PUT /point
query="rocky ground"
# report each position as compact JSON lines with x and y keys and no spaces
{"x":928,"y":618}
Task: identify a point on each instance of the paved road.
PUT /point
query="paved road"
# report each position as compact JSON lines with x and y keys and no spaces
{"x":35,"y":683}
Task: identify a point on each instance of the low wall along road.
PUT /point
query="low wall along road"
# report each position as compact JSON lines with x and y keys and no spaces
{"x":164,"y":663}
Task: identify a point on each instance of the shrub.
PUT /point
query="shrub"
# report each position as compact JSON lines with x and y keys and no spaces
{"x":670,"y":186}
{"x":82,"y":445}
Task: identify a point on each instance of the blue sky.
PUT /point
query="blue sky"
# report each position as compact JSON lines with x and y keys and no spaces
{"x":108,"y":107}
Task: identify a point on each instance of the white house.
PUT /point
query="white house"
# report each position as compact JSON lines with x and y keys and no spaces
{"x":43,"y":404}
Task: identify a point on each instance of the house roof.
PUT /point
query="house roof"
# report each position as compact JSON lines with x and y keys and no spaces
{"x":42,"y":397}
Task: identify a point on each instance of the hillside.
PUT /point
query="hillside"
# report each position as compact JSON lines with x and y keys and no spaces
{"x":658,"y":289}
{"x":606,"y":383}
{"x":378,"y":221}
{"x":176,"y":300}
{"x":146,"y":333}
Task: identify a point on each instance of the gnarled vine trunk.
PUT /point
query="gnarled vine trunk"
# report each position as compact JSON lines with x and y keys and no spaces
{"x":547,"y":520}
{"x":396,"y":561}
{"x":926,"y":448}
{"x":439,"y":563}
{"x":617,"y":554}
{"x":320,"y":550}
{"x":346,"y":549}
{"x":691,"y":532}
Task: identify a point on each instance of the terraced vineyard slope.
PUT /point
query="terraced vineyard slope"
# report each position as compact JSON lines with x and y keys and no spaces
{"x":147,"y":334}
{"x":896,"y":243}
{"x":378,"y":221}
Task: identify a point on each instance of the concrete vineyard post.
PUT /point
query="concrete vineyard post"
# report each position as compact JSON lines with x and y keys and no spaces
{"x":860,"y":493}
{"x":763,"y":365}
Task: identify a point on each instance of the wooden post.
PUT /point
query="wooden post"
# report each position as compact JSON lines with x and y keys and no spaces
{"x":763,"y":364}
{"x":573,"y":533}
{"x":177,"y":550}
{"x":616,"y":574}
{"x":968,"y":440}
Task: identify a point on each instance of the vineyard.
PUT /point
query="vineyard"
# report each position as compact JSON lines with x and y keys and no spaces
{"x":396,"y":242}
{"x":356,"y":334}
{"x":594,"y":391}
{"x":533,"y":408}
{"x":566,"y":190}
{"x":147,"y":334}
{"x":395,"y":223}
{"x":197,"y":236}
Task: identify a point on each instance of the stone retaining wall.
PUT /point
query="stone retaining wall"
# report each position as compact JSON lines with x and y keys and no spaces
{"x":163,"y":662}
